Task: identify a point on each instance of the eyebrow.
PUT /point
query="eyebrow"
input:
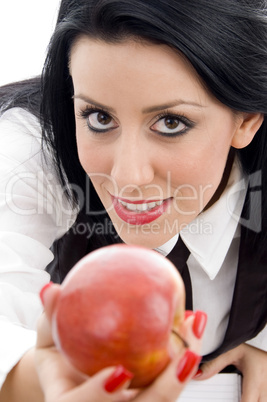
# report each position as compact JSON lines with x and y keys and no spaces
{"x":164,"y":106}
{"x":151,"y":109}
{"x":92,"y":102}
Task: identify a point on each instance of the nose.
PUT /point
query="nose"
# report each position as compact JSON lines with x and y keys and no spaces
{"x":132,"y":165}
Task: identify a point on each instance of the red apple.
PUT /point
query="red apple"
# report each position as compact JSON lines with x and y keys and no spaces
{"x":119,"y":305}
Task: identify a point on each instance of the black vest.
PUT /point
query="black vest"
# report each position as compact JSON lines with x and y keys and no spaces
{"x":248,"y":315}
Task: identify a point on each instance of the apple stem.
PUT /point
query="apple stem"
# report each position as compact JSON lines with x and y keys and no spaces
{"x":181,"y":339}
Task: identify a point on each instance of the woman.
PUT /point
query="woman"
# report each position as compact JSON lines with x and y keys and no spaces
{"x":167,"y":100}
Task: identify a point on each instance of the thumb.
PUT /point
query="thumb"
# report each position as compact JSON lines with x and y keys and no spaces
{"x":49,"y":295}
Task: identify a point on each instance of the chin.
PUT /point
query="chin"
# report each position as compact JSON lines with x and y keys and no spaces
{"x":141,"y":236}
{"x":151,"y":235}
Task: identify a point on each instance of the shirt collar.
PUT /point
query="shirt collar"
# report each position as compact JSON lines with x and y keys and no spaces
{"x":209,"y":236}
{"x":167,"y":247}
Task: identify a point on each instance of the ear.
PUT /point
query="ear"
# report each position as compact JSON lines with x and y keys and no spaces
{"x":248,"y":125}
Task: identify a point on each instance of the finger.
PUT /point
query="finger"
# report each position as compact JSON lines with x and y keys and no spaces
{"x":179,"y":372}
{"x":192,"y":329}
{"x":254,"y":370}
{"x":108,"y":385}
{"x":188,"y":313}
{"x":250,"y":389}
{"x":172,"y":382}
{"x":209,"y":369}
{"x":216,"y":365}
{"x":48,"y":295}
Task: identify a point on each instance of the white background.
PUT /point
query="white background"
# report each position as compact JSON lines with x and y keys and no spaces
{"x":25,"y":29}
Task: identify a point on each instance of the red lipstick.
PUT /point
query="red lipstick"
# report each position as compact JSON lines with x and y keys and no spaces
{"x":137,"y":216}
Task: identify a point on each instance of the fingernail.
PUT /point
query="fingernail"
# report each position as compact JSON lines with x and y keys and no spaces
{"x":198,"y":373}
{"x":199,"y":323}
{"x":42,"y":291}
{"x":117,"y":379}
{"x":186,"y":365}
{"x":188,"y":313}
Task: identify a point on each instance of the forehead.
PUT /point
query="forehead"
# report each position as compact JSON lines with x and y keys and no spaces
{"x":133,"y":66}
{"x":129,"y":51}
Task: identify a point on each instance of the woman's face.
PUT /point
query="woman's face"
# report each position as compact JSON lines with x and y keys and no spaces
{"x":153,"y":141}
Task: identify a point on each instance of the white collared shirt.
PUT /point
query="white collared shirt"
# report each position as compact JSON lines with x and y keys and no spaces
{"x":34,"y":212}
{"x":213,"y":240}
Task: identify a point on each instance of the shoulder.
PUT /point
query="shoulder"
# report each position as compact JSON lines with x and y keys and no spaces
{"x":21,"y":152}
{"x":20,"y":118}
{"x":27,"y":170}
{"x":21,"y":144}
{"x":20,"y":134}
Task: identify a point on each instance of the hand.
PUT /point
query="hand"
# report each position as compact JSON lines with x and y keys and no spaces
{"x":63,"y":383}
{"x":251,"y":362}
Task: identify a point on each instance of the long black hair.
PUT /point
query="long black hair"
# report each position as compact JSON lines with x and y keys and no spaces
{"x":225,"y":41}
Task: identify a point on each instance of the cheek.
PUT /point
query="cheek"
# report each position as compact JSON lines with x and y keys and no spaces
{"x":92,"y":156}
{"x":196,"y":176}
{"x":96,"y":161}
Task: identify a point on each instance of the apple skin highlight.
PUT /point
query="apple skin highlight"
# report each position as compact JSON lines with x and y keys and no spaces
{"x":118,"y":306}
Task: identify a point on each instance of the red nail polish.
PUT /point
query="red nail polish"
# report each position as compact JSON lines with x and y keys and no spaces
{"x":188,"y":313}
{"x":198,"y":373}
{"x":188,"y":362}
{"x":199,"y":323}
{"x":42,"y":291}
{"x":119,"y":377}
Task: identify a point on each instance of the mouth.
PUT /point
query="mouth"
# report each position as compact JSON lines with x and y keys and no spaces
{"x":139,"y":212}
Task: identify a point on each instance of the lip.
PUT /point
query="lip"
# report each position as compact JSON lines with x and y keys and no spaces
{"x":136,"y":201}
{"x":139,"y":218}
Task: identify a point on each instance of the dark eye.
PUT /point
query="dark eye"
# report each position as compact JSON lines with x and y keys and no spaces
{"x":170,"y":125}
{"x":100,"y":121}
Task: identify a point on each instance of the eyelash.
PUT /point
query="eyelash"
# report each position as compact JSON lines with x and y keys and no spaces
{"x":189,"y":124}
{"x":85,"y":113}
